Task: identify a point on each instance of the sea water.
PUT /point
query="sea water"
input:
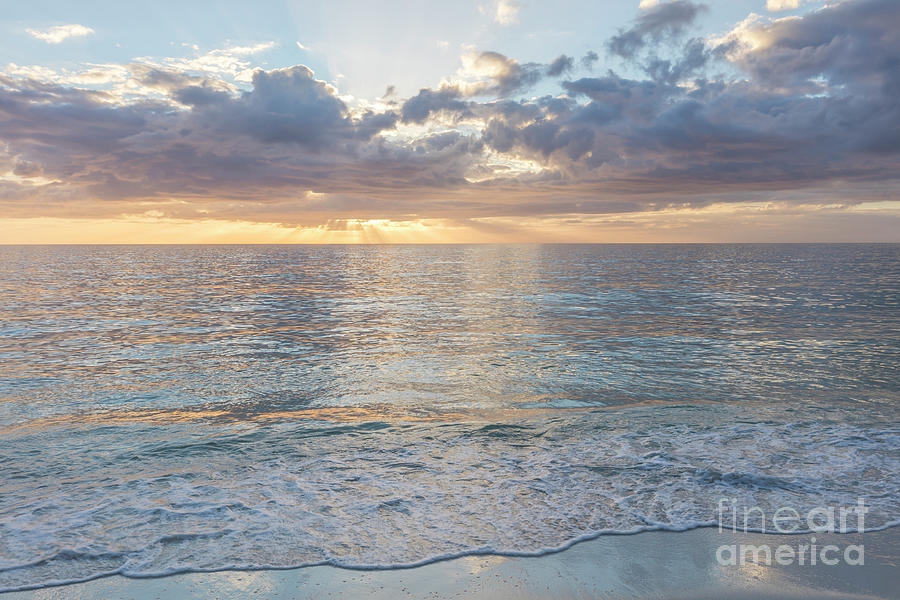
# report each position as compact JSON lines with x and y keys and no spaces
{"x":178,"y":408}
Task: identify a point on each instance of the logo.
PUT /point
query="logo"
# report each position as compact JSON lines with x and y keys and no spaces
{"x":787,"y":519}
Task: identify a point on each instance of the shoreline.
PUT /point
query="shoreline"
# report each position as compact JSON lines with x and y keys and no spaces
{"x":649,"y":564}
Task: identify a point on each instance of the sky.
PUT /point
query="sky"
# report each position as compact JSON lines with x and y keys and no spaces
{"x":466,"y":121}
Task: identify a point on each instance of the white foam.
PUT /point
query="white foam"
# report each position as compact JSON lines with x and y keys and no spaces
{"x":406,"y":495}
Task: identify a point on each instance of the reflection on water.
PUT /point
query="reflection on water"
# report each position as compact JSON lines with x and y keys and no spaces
{"x":364,"y":413}
{"x":441,"y":328}
{"x":178,"y":408}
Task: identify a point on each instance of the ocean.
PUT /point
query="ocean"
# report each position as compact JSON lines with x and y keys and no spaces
{"x":191,"y":408}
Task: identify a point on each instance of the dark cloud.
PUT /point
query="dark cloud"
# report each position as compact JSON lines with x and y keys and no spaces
{"x":286,"y":106}
{"x":831,"y":113}
{"x":694,"y":57}
{"x":288,"y":134}
{"x":853,"y":42}
{"x":666,"y":20}
{"x":427,"y":102}
{"x":560,"y":65}
{"x":552,"y":128}
{"x":200,"y":95}
{"x":587,"y":61}
{"x":51,"y":118}
{"x":372,"y":123}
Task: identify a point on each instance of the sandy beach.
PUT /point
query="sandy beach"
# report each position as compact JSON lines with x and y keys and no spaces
{"x":644,"y":565}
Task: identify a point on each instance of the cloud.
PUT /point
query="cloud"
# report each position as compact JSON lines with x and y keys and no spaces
{"x":587,"y":61}
{"x":60,"y":33}
{"x":694,"y":56}
{"x":224,"y":152}
{"x":27,"y":169}
{"x":779,"y":5}
{"x":809,"y":103}
{"x":560,"y":65}
{"x":233,"y":62}
{"x":486,"y":74}
{"x":494,"y":73}
{"x":818,"y":101}
{"x":847,"y":49}
{"x":657,"y":22}
{"x":427,"y":102}
{"x":507,"y":12}
{"x":302,"y":47}
{"x":482,"y":74}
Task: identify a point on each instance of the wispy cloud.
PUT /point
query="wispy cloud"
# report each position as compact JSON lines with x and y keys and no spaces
{"x":233,"y":61}
{"x":779,"y":5}
{"x":60,"y":33}
{"x":505,"y":12}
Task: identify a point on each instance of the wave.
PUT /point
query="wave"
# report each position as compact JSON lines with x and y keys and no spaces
{"x":82,"y":503}
{"x":123,"y":571}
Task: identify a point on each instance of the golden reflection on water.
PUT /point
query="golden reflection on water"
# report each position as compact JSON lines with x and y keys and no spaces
{"x":384,"y":413}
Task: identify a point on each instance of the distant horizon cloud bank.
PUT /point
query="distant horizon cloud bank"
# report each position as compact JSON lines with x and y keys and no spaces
{"x":723,"y":223}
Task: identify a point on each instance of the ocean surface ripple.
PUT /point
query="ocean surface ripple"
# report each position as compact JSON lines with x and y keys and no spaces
{"x":167,"y":409}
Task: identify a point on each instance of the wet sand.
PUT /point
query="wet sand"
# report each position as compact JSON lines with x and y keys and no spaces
{"x":645,"y":565}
